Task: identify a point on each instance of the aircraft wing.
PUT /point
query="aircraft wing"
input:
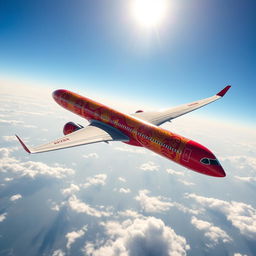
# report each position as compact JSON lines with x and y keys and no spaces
{"x":93,"y":133}
{"x":160,"y":117}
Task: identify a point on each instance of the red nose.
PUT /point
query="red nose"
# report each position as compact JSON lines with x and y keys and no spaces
{"x":203,"y":160}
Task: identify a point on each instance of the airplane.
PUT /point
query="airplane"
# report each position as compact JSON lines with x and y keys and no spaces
{"x":140,"y":129}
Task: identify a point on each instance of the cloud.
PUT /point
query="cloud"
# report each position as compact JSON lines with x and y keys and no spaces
{"x":29,"y":126}
{"x":11,"y":122}
{"x":139,"y":237}
{"x":151,"y":203}
{"x":15,"y":197}
{"x":70,"y":190}
{"x":8,"y":179}
{"x":171,"y":171}
{"x":121,"y":179}
{"x":241,"y":215}
{"x":214,"y":233}
{"x":30,"y":113}
{"x":124,"y":190}
{"x":161,"y":204}
{"x":30,"y":168}
{"x":239,"y":254}
{"x":185,"y":209}
{"x":246,"y":179}
{"x":9,"y":138}
{"x":16,"y":122}
{"x":58,"y":253}
{"x":149,"y":166}
{"x":131,"y":150}
{"x":97,"y":180}
{"x":187,"y":183}
{"x":5,"y":152}
{"x":56,"y":207}
{"x":74,"y":235}
{"x":241,"y":162}
{"x":130,"y":213}
{"x":3,"y":216}
{"x":81,"y":207}
{"x":91,"y":155}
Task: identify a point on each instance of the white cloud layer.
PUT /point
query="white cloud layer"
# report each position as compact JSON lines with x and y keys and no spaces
{"x":8,"y":179}
{"x":152,"y":203}
{"x":58,"y":252}
{"x":130,"y":214}
{"x":9,"y":138}
{"x":214,"y":233}
{"x":97,"y":180}
{"x":78,"y":206}
{"x":3,"y":216}
{"x":124,"y":190}
{"x":5,"y":152}
{"x":10,"y":122}
{"x":30,"y":168}
{"x":74,"y":235}
{"x":56,"y":207}
{"x":161,"y":204}
{"x":173,"y":172}
{"x":246,"y":179}
{"x":121,"y":179}
{"x":187,"y":183}
{"x":149,"y":166}
{"x":241,"y":215}
{"x":70,"y":190}
{"x":140,"y":237}
{"x":247,"y":163}
{"x":131,"y":150}
{"x":15,"y":197}
{"x":185,"y":209}
{"x":91,"y":155}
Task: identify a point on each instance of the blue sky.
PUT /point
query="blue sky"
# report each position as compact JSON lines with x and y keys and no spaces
{"x":199,"y":48}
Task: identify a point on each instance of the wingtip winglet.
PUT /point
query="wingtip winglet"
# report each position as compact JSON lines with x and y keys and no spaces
{"x":23,"y":144}
{"x":223,"y":91}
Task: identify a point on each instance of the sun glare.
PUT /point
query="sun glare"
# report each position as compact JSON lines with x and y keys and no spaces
{"x":149,"y":13}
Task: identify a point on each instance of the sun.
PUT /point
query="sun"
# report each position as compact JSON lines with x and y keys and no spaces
{"x":149,"y":13}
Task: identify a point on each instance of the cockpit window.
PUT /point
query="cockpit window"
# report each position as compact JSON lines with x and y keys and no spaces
{"x":205,"y":161}
{"x":214,"y":162}
{"x":209,"y":161}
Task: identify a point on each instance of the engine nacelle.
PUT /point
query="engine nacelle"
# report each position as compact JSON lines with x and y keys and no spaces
{"x":139,"y":111}
{"x":71,"y":127}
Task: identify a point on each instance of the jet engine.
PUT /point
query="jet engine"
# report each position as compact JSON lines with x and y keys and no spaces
{"x":139,"y":111}
{"x":71,"y":127}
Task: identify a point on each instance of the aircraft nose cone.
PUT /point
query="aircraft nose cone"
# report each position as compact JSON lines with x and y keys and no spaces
{"x":204,"y":161}
{"x":214,"y":168}
{"x":222,"y":173}
{"x":218,"y":171}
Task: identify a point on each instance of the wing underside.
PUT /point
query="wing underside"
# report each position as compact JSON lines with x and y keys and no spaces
{"x":93,"y":133}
